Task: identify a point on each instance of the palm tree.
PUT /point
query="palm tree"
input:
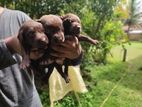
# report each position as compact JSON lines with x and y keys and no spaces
{"x":134,"y":11}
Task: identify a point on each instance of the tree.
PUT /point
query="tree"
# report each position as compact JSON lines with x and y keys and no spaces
{"x":101,"y":13}
{"x":134,"y":13}
{"x":130,"y":12}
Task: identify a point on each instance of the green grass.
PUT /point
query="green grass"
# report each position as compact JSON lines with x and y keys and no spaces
{"x":107,"y":77}
{"x":134,"y":50}
{"x":130,"y":87}
{"x":117,"y":84}
{"x":120,"y":83}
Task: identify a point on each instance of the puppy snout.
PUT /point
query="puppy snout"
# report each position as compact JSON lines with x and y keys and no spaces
{"x":78,"y":28}
{"x":44,"y":40}
{"x":55,"y":39}
{"x":58,"y":38}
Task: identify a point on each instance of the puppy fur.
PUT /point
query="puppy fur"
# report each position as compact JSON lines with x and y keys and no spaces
{"x":54,"y":29}
{"x":31,"y":35}
{"x":72,"y":27}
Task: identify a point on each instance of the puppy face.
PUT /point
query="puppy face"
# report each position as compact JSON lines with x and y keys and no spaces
{"x":33,"y":39}
{"x":72,"y":24}
{"x":53,"y":27}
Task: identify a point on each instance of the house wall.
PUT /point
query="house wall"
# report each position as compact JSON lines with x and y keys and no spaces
{"x":135,"y":37}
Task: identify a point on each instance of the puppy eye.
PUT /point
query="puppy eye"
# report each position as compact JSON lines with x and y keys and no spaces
{"x":72,"y":21}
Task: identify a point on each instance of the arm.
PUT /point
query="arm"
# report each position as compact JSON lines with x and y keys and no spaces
{"x":6,"y":58}
{"x":8,"y":47}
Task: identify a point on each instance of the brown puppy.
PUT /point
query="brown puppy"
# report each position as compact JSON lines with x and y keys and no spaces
{"x":33,"y":41}
{"x":54,"y":29}
{"x":72,"y":27}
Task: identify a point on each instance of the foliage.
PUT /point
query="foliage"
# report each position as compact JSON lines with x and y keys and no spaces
{"x":130,"y":12}
{"x":73,"y":6}
{"x":44,"y":96}
{"x":98,"y":21}
{"x":134,"y":11}
{"x":103,"y":26}
{"x":94,"y":14}
{"x":36,"y":9}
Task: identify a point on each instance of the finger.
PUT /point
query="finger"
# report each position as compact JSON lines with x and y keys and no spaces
{"x":60,"y":55}
{"x":59,"y":49}
{"x":70,"y":38}
{"x":63,"y":48}
{"x":70,"y":43}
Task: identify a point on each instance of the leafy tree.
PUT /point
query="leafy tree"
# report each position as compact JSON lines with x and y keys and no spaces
{"x":130,"y":13}
{"x":97,"y":16}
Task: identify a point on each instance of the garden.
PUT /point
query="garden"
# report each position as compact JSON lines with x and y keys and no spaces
{"x":111,"y":69}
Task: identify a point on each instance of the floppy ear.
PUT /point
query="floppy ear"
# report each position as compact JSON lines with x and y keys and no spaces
{"x":67,"y":26}
{"x":22,"y":39}
{"x":20,"y":36}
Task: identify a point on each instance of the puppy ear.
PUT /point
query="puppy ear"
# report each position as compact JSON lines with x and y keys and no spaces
{"x":22,"y":39}
{"x":67,"y":26}
{"x":66,"y":23}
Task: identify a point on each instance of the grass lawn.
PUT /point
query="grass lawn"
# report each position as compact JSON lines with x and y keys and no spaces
{"x":134,"y":50}
{"x":119,"y":84}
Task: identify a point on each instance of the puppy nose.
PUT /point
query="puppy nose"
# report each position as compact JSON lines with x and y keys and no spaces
{"x":78,"y":27}
{"x":45,"y":39}
{"x":58,"y":38}
{"x":55,"y":39}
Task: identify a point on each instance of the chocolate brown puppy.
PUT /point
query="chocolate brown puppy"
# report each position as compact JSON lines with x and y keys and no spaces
{"x":33,"y":40}
{"x":54,"y":29}
{"x":72,"y":27}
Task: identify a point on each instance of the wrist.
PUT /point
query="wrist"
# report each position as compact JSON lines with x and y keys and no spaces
{"x":13,"y":44}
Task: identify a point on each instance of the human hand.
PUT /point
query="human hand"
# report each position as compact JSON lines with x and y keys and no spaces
{"x":70,"y":48}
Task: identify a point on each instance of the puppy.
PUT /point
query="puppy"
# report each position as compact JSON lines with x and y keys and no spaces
{"x":72,"y":27}
{"x":33,"y":42}
{"x":54,"y":29}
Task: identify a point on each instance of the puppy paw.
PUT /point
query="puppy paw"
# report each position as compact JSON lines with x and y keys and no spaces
{"x":67,"y":79}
